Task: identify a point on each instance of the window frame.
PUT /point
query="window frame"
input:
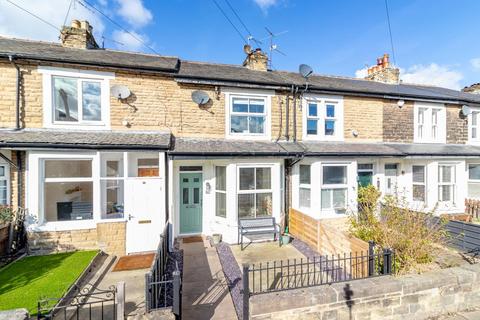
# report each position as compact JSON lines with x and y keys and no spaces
{"x":304,"y":186}
{"x":6,"y":178}
{"x":372,"y":171}
{"x":81,"y":76}
{"x":322,"y":118}
{"x":471,"y":181}
{"x":221,"y":191}
{"x":424,"y":184}
{"x":266,"y":96}
{"x":426,"y":134}
{"x":336,"y":186}
{"x":475,"y":112}
{"x":441,"y":184}
{"x":253,"y":191}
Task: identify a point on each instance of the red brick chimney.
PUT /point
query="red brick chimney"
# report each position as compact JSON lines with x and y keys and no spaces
{"x":383,"y":71}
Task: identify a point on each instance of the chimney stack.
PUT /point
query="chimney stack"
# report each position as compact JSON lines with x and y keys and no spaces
{"x":474,"y":88}
{"x":255,"y":60}
{"x":78,"y":35}
{"x":383,"y":71}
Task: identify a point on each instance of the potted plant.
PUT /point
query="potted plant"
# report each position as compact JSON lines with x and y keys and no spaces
{"x":217,"y":238}
{"x":286,"y":238}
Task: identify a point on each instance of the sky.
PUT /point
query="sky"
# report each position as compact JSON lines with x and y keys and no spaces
{"x":435,"y":42}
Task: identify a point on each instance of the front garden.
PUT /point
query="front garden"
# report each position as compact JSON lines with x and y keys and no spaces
{"x":25,"y":281}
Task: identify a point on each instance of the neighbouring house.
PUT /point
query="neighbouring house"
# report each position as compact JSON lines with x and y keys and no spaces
{"x":103,"y":147}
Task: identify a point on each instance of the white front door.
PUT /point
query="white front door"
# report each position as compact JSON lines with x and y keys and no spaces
{"x":145,"y":213}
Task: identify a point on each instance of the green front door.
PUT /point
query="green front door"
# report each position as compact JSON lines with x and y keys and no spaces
{"x":190,"y":202}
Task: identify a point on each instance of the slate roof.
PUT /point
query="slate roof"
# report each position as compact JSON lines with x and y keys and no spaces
{"x":195,"y":147}
{"x":48,"y":138}
{"x":234,"y":74}
{"x":49,"y":51}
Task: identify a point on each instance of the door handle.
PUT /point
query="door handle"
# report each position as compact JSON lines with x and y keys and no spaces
{"x":130,"y":217}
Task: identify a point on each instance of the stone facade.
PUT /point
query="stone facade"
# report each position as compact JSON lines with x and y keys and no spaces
{"x":457,"y":125}
{"x":108,"y":236}
{"x":418,"y":296}
{"x":398,"y":122}
{"x":363,"y":115}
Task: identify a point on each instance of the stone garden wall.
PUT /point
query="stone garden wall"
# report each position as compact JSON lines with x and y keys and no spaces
{"x":406,"y":297}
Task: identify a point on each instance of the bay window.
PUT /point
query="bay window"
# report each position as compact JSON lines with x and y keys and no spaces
{"x":305,"y":186}
{"x":254,"y":192}
{"x":429,"y":123}
{"x":474,"y":181}
{"x":446,"y":183}
{"x":221,"y":191}
{"x":68,"y":190}
{"x":323,"y":118}
{"x":334,"y":188}
{"x":419,"y":183}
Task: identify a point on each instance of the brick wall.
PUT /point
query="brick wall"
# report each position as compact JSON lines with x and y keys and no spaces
{"x":417,"y":296}
{"x":365,"y":116}
{"x":108,"y":236}
{"x":457,"y":126}
{"x":398,"y":122}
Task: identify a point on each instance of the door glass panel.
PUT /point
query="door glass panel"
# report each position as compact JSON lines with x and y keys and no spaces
{"x":185,"y":196}
{"x":365,"y":178}
{"x":196,"y":179}
{"x":185,"y":179}
{"x":196,"y":195}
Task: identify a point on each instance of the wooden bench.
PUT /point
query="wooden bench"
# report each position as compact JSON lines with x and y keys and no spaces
{"x":257,"y":226}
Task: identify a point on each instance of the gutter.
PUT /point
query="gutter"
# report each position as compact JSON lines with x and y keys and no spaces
{"x":28,"y":145}
{"x":17,"y":92}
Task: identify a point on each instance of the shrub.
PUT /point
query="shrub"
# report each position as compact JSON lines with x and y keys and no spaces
{"x":413,"y":235}
{"x":6,"y":214}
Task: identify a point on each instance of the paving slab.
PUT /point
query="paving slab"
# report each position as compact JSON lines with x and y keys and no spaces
{"x":205,"y":291}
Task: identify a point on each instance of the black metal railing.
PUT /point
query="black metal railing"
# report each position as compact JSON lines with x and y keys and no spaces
{"x":162,"y":286}
{"x":87,"y":304}
{"x":302,"y":273}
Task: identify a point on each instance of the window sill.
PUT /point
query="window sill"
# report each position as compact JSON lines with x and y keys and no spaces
{"x":247,"y":137}
{"x":322,"y":139}
{"x":64,"y":225}
{"x":77,"y":126}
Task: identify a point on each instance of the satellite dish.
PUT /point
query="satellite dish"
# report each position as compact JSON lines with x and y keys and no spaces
{"x":120,"y":92}
{"x":466,"y":110}
{"x":305,"y":70}
{"x":247,"y":49}
{"x":200,"y":97}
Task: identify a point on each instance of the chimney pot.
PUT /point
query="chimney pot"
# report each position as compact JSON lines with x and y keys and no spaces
{"x":256,"y":60}
{"x":78,"y":35}
{"x":383,"y":71}
{"x":75,"y":23}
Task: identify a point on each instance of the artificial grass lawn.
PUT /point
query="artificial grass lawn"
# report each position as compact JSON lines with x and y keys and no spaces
{"x":24,"y":282}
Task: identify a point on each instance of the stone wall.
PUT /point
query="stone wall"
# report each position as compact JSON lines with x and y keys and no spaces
{"x":108,"y":236}
{"x":457,"y":125}
{"x":418,"y":296}
{"x":398,"y":122}
{"x":365,"y":116}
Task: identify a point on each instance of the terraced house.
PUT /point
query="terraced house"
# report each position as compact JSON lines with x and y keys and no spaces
{"x":103,"y":147}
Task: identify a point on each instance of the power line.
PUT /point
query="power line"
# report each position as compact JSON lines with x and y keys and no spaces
{"x":68,"y":12}
{"x":34,"y":15}
{"x":238,"y":17}
{"x":390,"y":32}
{"x":116,"y":24}
{"x":228,"y":19}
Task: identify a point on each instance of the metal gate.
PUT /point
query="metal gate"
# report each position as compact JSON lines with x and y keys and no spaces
{"x":87,"y":303}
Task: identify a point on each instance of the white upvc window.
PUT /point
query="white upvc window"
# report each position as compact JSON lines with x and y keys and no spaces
{"x":112,"y":184}
{"x":474,"y":180}
{"x":305,"y":187}
{"x":221,"y":191}
{"x":76,"y":98}
{"x":323,"y":118}
{"x":473,"y":125}
{"x":254,"y":192}
{"x":334,"y":187}
{"x":429,"y":123}
{"x":419,"y":183}
{"x":446,"y":183}
{"x":4,"y":184}
{"x":248,"y":115}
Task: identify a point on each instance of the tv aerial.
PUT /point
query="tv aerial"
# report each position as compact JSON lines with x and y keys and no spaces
{"x":273,"y":47}
{"x":200,"y":97}
{"x":120,"y":92}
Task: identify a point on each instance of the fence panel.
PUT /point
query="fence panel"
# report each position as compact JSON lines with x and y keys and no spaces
{"x":464,"y":236}
{"x":472,"y":208}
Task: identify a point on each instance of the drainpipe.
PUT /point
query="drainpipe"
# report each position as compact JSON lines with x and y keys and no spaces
{"x":287,"y":117}
{"x":19,"y":179}
{"x":17,"y":92}
{"x":295,"y":115}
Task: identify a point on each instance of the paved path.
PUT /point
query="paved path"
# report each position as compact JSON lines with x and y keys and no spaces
{"x":465,"y":315}
{"x":205,"y":292}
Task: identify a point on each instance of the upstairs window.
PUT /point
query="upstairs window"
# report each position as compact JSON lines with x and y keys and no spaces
{"x":76,"y":98}
{"x":323,"y":119}
{"x":430,"y":123}
{"x":473,"y":122}
{"x":248,"y":116}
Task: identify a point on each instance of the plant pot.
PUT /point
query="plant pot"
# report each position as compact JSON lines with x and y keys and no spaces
{"x":286,"y":239}
{"x":217,"y":238}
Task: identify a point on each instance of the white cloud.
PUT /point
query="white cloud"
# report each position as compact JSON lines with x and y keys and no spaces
{"x":129,"y":42}
{"x":475,"y":63}
{"x":17,"y":23}
{"x":432,"y":74}
{"x":134,"y":13}
{"x":265,"y":4}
